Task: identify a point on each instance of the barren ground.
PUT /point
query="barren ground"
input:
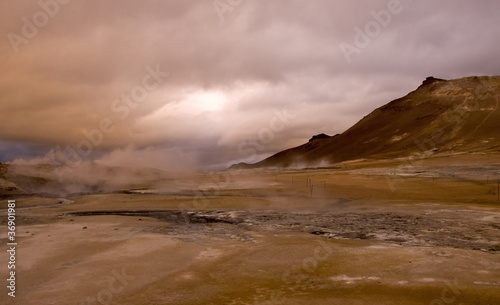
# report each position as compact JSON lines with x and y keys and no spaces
{"x":384,"y":235}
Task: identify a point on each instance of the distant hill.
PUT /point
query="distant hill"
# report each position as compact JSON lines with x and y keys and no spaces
{"x":440,"y":116}
{"x":8,"y":188}
{"x":88,"y":178}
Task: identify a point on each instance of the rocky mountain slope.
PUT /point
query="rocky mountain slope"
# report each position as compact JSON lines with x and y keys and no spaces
{"x":440,"y":116}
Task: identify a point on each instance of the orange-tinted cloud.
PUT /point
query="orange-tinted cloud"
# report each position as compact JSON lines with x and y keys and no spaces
{"x":85,"y":69}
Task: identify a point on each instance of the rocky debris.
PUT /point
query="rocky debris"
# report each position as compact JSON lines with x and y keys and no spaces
{"x":494,"y":248}
{"x":430,"y":80}
{"x":319,"y":136}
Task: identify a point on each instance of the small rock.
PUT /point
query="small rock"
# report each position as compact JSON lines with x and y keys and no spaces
{"x":495,"y":248}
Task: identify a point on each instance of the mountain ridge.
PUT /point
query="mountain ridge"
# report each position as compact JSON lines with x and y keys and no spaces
{"x":456,"y":115}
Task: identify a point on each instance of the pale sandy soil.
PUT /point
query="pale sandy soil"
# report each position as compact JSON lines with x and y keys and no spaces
{"x":261,"y":238}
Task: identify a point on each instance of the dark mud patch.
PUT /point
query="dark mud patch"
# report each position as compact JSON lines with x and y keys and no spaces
{"x":423,"y":230}
{"x":170,"y":215}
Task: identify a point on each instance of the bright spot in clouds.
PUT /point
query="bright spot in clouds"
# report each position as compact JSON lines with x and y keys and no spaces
{"x":192,"y":103}
{"x":225,"y":82}
{"x":202,"y":101}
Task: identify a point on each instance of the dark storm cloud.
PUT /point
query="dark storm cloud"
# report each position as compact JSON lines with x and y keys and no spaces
{"x":230,"y":69}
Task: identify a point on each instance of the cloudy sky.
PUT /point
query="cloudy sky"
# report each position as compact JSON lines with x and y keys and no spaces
{"x":201,"y":84}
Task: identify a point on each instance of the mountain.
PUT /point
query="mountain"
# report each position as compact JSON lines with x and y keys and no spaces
{"x":440,"y":116}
